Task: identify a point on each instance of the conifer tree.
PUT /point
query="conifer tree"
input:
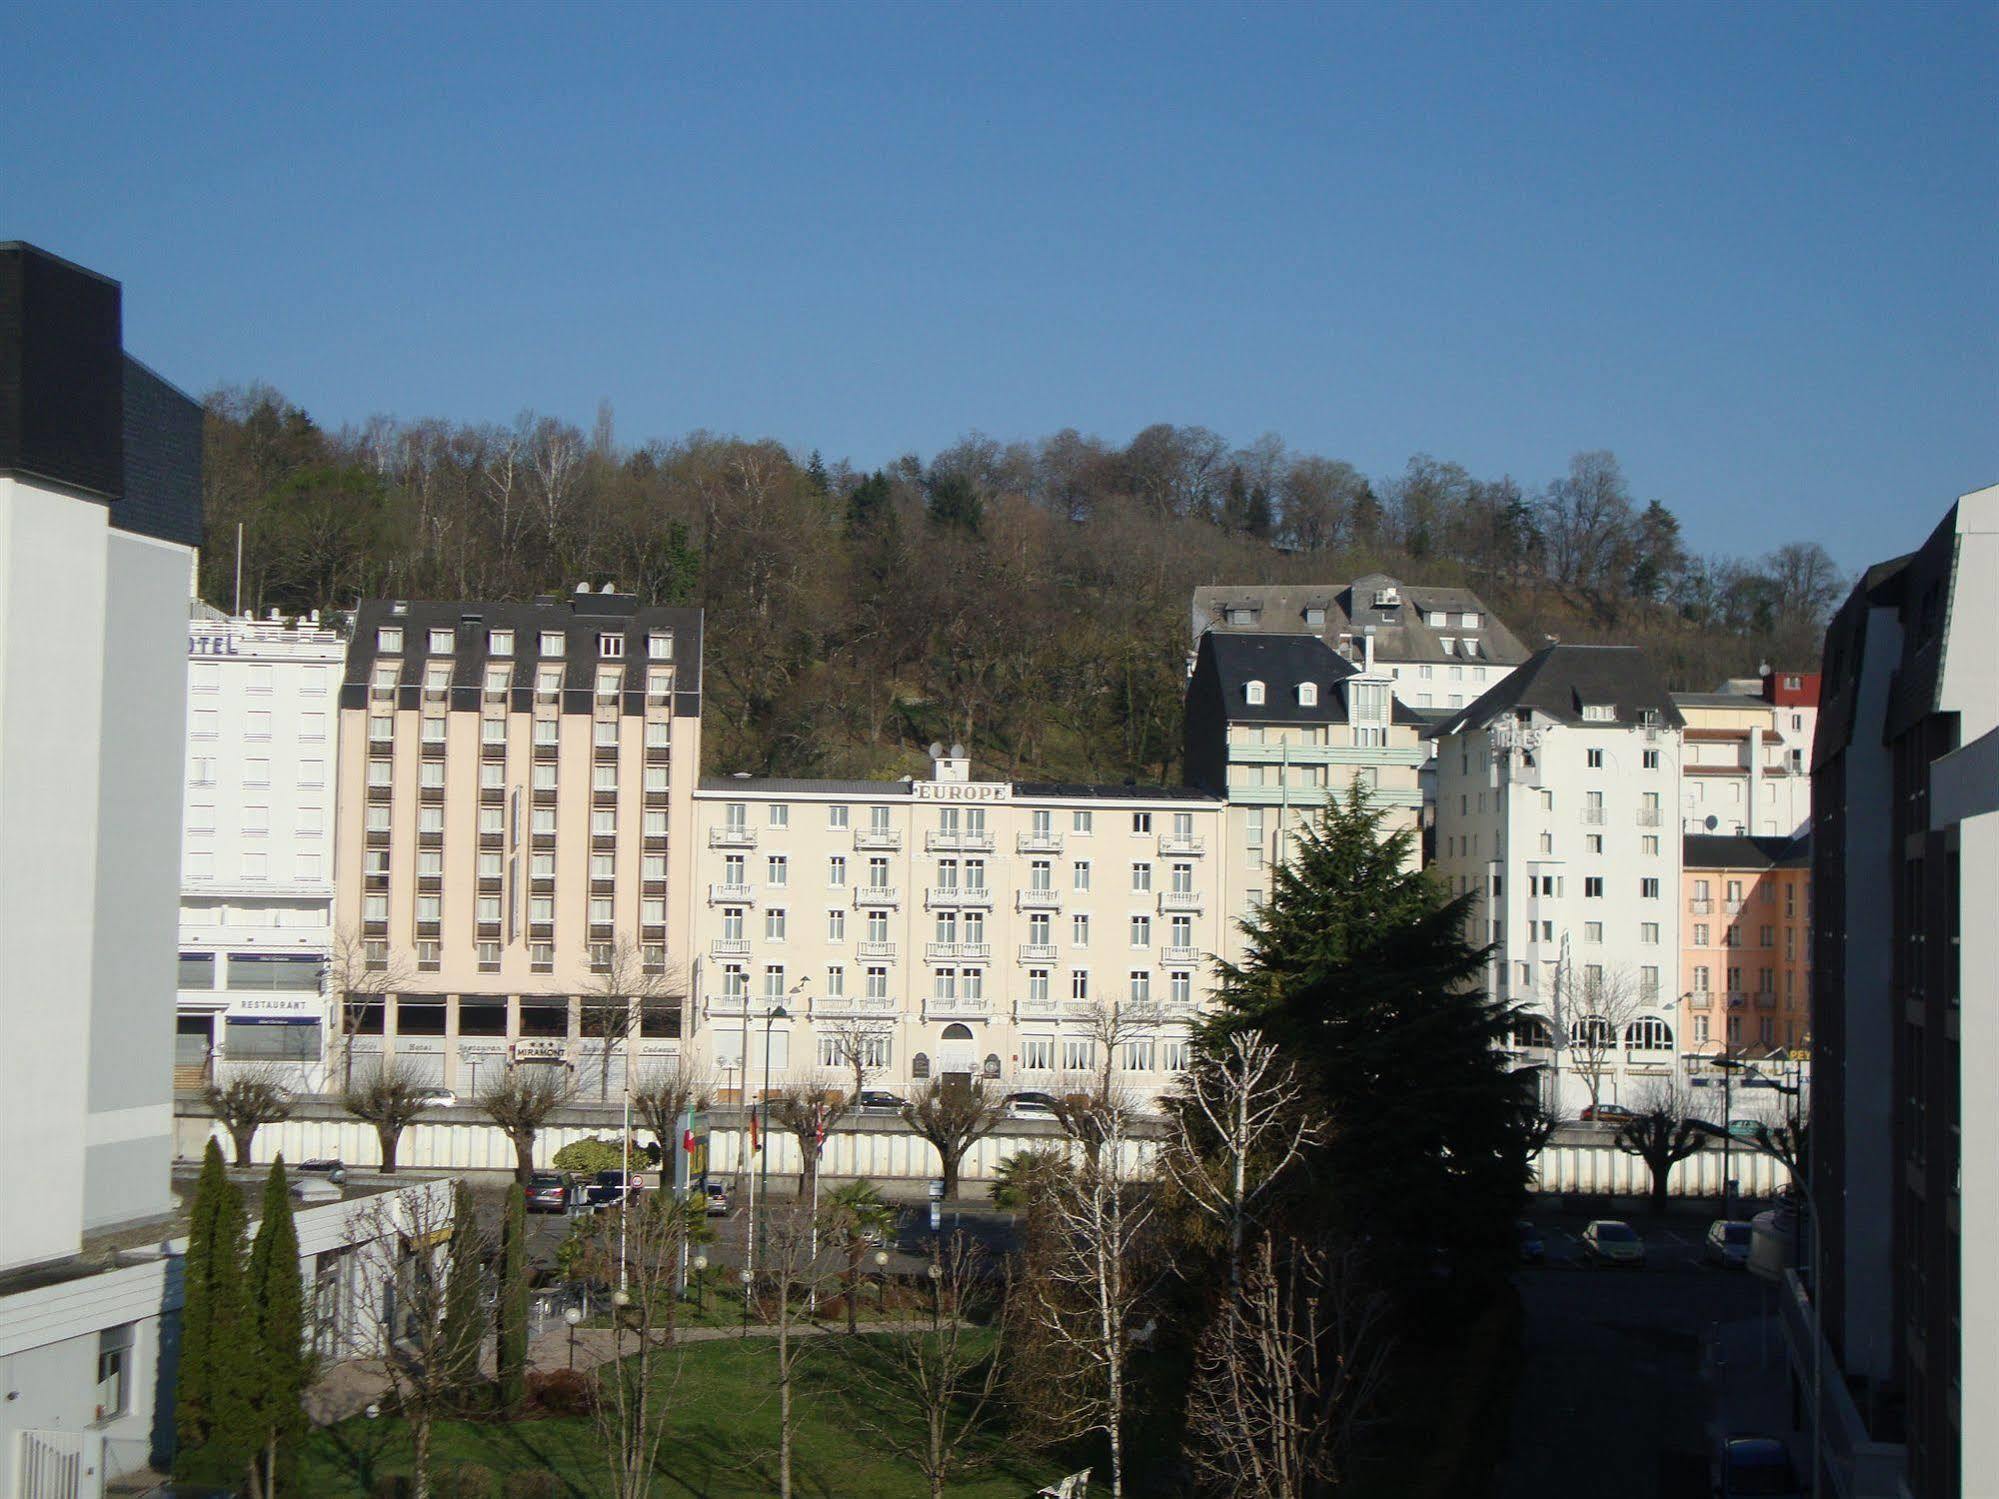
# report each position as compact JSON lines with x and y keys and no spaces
{"x":212,"y":1417}
{"x":1359,"y":969}
{"x":512,"y":1353}
{"x":276,"y":1304}
{"x":462,"y":1332}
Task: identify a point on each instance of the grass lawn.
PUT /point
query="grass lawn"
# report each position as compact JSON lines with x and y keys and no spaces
{"x":722,"y":1440}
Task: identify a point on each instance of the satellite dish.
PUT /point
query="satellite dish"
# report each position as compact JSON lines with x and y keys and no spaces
{"x":1713,"y":822}
{"x":957,"y":752}
{"x":936,"y":749}
{"x":608,"y":588}
{"x":582,"y":587}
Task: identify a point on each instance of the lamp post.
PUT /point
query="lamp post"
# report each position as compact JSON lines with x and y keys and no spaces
{"x":881,"y":1281}
{"x":747,"y":1279}
{"x":1727,"y":1066}
{"x":936,"y":1274}
{"x":700,"y":1284}
{"x":760,"y":1182}
{"x":573,"y":1316}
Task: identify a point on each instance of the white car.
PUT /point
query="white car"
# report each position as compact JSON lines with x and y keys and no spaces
{"x":1728,"y":1241}
{"x":1609,"y":1241}
{"x":437,"y":1098}
{"x":1029,"y":1108}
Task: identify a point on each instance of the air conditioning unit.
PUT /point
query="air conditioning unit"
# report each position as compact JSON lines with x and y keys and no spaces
{"x":1388,"y":598}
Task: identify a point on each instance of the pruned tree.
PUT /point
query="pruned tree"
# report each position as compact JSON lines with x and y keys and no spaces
{"x":1286,"y":1373}
{"x":390,"y":1096}
{"x":1595,"y":1006}
{"x":360,"y":971}
{"x":521,"y":1101}
{"x":399,"y":1243}
{"x":953,"y":1119}
{"x":859,"y":1047}
{"x":662,"y":1096}
{"x":1083,"y":1293}
{"x":932,"y":1388}
{"x":1789,"y":1139}
{"x":804,"y":1111}
{"x":1088,"y":1097}
{"x":252,"y":1098}
{"x":1243,"y":1117}
{"x":622,"y":988}
{"x":1662,"y":1134}
{"x":855,"y":1217}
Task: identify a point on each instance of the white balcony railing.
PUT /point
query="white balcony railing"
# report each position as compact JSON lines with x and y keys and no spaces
{"x":1648,"y":817}
{"x":852,"y":1004}
{"x":735,"y":895}
{"x":1701,"y":907}
{"x":729,"y":947}
{"x":884,"y":951}
{"x":877,"y":838}
{"x":732,"y":836}
{"x":1179,"y":900}
{"x":957,"y":895}
{"x":726,"y":1004}
{"x":1038,"y":843}
{"x":1177,"y":955}
{"x":1593,"y":816}
{"x":940,"y":841}
{"x":1037,"y":900}
{"x":1025,"y":1007}
{"x":877,"y":895}
{"x":1037,"y":952}
{"x":958,"y":952}
{"x":1169,"y":844}
{"x":957,"y":1005}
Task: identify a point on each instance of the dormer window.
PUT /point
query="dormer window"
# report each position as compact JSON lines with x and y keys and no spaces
{"x":1599,"y":713}
{"x":551,"y":642}
{"x":500,"y":643}
{"x":440,"y":642}
{"x":610,"y":645}
{"x":659,"y":645}
{"x":389,"y":640}
{"x":1469,"y":621}
{"x":1471,"y":646}
{"x":1449,"y":644}
{"x":1252,"y":693}
{"x":1308,"y":694}
{"x":1315,"y":619}
{"x":1438,"y":619}
{"x":1240,"y":616}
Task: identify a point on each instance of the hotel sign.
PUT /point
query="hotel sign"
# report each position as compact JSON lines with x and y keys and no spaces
{"x":962,"y":791}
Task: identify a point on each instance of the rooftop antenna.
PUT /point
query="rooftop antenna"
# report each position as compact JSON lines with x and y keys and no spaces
{"x":238,"y":609}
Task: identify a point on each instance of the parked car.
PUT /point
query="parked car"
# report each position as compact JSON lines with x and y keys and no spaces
{"x":437,"y":1098}
{"x":1532,"y":1249}
{"x":1608,"y":1241}
{"x":333,"y":1169}
{"x":1751,"y":1130}
{"x":879,"y":1100}
{"x":718,"y":1199}
{"x":608,"y":1188}
{"x":1759,"y":1466}
{"x":1606,"y":1113}
{"x":1728,"y":1241}
{"x":548,"y":1193}
{"x":1030,"y":1106}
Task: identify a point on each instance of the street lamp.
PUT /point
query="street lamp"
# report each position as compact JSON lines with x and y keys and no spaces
{"x":1727,"y":1066}
{"x":760,"y":1183}
{"x":936,"y":1274}
{"x":746,"y":1277}
{"x":573,"y":1316}
{"x":881,"y":1281}
{"x":700,"y":1284}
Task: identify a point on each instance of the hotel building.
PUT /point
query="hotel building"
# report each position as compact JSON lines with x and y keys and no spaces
{"x":1763,"y":722}
{"x":515,"y":783}
{"x":951,"y":927}
{"x":256,"y":908}
{"x":1745,"y":970}
{"x":1555,"y":808}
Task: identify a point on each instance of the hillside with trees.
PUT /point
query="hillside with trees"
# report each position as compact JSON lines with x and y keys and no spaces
{"x":1029,"y":599}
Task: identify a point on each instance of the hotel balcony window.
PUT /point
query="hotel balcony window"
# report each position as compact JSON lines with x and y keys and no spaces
{"x":1183,"y":879}
{"x":489,"y":957}
{"x":500,"y":642}
{"x":659,"y":645}
{"x":1180,"y":987}
{"x":609,"y":679}
{"x":541,"y":866}
{"x":1040,"y":875}
{"x":659,"y":687}
{"x":489,"y":910}
{"x":389,"y":640}
{"x":374,"y":908}
{"x":551,"y":642}
{"x":490,"y":864}
{"x":430,"y":775}
{"x":659,"y":734}
{"x":1183,"y":932}
{"x":541,"y":909}
{"x":380,"y":774}
{"x":878,"y":874}
{"x":1141,"y":986}
{"x":604,"y":867}
{"x":429,"y":909}
{"x":440,"y":642}
{"x":773,"y":983}
{"x":430,"y":820}
{"x":610,"y":645}
{"x":436,"y":679}
{"x":975,"y":874}
{"x":1141,"y":931}
{"x":601,"y":910}
{"x":542,"y":777}
{"x":541,"y":821}
{"x":378,"y":819}
{"x":604,"y":733}
{"x":382,"y":682}
{"x":548,"y":686}
{"x":603,"y":778}
{"x":541,"y":957}
{"x":877,"y":926}
{"x":498,"y":679}
{"x":429,"y":956}
{"x":604,"y":822}
{"x":433,"y":731}
{"x":1037,"y":986}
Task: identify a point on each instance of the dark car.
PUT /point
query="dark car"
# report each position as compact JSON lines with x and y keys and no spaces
{"x":1755,"y":1465}
{"x":333,"y":1169}
{"x":879,"y":1100}
{"x":548,"y":1193}
{"x":609,"y":1188}
{"x":1606,"y":1113}
{"x":1532,"y":1250}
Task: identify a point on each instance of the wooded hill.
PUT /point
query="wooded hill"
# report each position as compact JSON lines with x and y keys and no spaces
{"x":1029,"y":599}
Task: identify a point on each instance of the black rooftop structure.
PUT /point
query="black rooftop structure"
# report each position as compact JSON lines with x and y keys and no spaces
{"x":1744,"y":851}
{"x":1558,"y":681}
{"x":78,"y":414}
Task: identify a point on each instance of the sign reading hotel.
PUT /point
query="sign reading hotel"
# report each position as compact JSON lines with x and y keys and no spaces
{"x":962,"y":791}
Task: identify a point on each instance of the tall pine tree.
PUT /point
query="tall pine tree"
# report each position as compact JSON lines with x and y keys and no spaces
{"x":463,"y":1328}
{"x":512,"y":1353}
{"x":276,"y":1300}
{"x":212,"y":1396}
{"x":1359,"y":969}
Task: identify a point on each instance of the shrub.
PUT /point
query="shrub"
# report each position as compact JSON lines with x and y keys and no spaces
{"x":561,"y":1392}
{"x":534,"y":1485}
{"x":393,"y":1486}
{"x":591,"y":1156}
{"x":471,"y":1481}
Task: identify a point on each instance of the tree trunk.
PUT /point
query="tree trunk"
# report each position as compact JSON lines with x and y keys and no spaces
{"x":390,"y":1136}
{"x":853,"y":1287}
{"x":242,"y":1134}
{"x":950,"y":1173}
{"x":523,"y":1157}
{"x":1660,"y":1176}
{"x":420,"y":1438}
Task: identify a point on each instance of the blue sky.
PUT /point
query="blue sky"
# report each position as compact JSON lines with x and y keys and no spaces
{"x":1751,"y":249}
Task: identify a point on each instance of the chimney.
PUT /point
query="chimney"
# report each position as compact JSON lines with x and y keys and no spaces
{"x":1367,"y":651}
{"x":954,"y":768}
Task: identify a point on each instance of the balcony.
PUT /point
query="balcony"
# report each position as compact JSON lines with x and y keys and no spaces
{"x":723,"y":894}
{"x":1177,"y":956}
{"x":1732,"y":907}
{"x":1170,"y":844}
{"x":1037,"y":952}
{"x":1036,"y":1007}
{"x":942,"y":842}
{"x":829,"y":1005}
{"x":732,"y":837}
{"x":729,"y":947}
{"x":1180,"y":900}
{"x":877,"y":895}
{"x":881,"y":952}
{"x":958,"y":952}
{"x":879,"y":839}
{"x":1656,"y":1059}
{"x":729,"y":1004}
{"x":957,"y":1007}
{"x":1037,"y":900}
{"x":957,"y":895}
{"x":1593,"y":817}
{"x":1701,"y":907}
{"x":1038,"y":843}
{"x":1648,"y":817}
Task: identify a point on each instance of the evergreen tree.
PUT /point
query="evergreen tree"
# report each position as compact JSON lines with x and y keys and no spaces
{"x":1259,"y":518}
{"x":955,"y":501}
{"x":872,"y":501}
{"x":212,"y":1396}
{"x":1360,"y":971}
{"x":816,"y":475}
{"x":462,"y":1332}
{"x":512,"y":1354}
{"x":276,"y":1303}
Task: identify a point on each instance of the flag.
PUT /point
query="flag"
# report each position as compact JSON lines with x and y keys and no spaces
{"x":687,"y":1141}
{"x":756,"y":1143}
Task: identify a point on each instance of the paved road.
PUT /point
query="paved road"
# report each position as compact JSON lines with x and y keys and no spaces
{"x":1612,"y":1400}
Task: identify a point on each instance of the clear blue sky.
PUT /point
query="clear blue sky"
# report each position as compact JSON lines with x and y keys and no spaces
{"x":1752,"y":249}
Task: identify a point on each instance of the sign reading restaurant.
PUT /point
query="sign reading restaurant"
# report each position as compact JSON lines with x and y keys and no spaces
{"x":962,"y":791}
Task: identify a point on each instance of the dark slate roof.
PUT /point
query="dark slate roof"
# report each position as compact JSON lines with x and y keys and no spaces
{"x":803,"y":786}
{"x":1719,"y":700}
{"x":1401,"y":633}
{"x":1558,"y":680}
{"x":1282,"y":663}
{"x":1737,"y":851}
{"x":1026,"y":790}
{"x":581,"y":617}
{"x":1088,"y":791}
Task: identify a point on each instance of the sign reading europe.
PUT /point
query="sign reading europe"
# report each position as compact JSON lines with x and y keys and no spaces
{"x":962,"y":791}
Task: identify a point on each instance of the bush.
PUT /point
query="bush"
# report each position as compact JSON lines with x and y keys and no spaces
{"x":472,"y":1481}
{"x":591,"y":1156}
{"x":393,"y":1486}
{"x":561,"y":1392}
{"x":535,"y":1485}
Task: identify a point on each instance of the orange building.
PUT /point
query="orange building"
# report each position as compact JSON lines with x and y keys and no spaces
{"x":1746,"y":935}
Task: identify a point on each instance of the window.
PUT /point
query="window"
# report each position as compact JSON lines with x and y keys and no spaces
{"x":836,"y":871}
{"x":1649,"y":889}
{"x":1252,"y":693}
{"x":256,"y":866}
{"x":1449,"y":644}
{"x":114,"y":1364}
{"x":1140,"y":980}
{"x":1141,"y":824}
{"x":1037,"y":1053}
{"x":1308,"y":694}
{"x":1141,"y":879}
{"x":1599,"y":713}
{"x":1079,"y":983}
{"x":774,"y":924}
{"x":389,"y":640}
{"x":551,"y":642}
{"x":1593,"y":932}
{"x":1649,"y":1034}
{"x":1592,"y":887}
{"x":1141,"y":931}
{"x":1651,"y":759}
{"x":611,"y":645}
{"x":1593,"y":843}
{"x":774,"y":982}
{"x":500,"y":642}
{"x":780,"y":814}
{"x":878,"y":873}
{"x":1079,"y":824}
{"x":1079,"y":931}
{"x":659,"y":645}
{"x":1079,"y":1054}
{"x":836,"y":981}
{"x":1700,"y":934}
{"x":836,"y":816}
{"x":1595,"y":759}
{"x":1648,"y":933}
{"x":1138,"y":1054}
{"x":836,"y":925}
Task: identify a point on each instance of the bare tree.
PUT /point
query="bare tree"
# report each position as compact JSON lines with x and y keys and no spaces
{"x":639,"y":1248}
{"x":1286,"y":1373}
{"x":360,"y":971}
{"x":859,"y":1044}
{"x":1089,"y":1096}
{"x":792,"y":1276}
{"x":523,"y":1099}
{"x":390,"y":1096}
{"x":1662,"y":1134}
{"x":406,"y":1321}
{"x":1089,"y":1281}
{"x":931,"y":1385}
{"x":254,"y":1096}
{"x":1595,"y":1008}
{"x":804,"y":1110}
{"x":623,"y":987}
{"x":1243,"y":1117}
{"x":953,"y":1119}
{"x":661,"y":1096}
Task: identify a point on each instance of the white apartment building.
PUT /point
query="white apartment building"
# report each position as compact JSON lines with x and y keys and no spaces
{"x":1275,"y":725}
{"x":951,"y":927}
{"x":256,"y":909}
{"x":1749,"y":750}
{"x":1556,"y":806}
